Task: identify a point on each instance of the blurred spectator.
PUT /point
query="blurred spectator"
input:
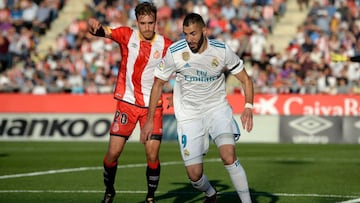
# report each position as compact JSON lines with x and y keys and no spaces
{"x":4,"y":53}
{"x":228,"y":11}
{"x":201,"y":9}
{"x":42,"y":19}
{"x":355,"y":89}
{"x":326,"y":83}
{"x":342,"y":86}
{"x":257,"y":44}
{"x":268,"y":14}
{"x":81,"y":64}
{"x":29,"y":13}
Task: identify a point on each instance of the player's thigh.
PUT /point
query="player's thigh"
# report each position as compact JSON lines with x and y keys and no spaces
{"x":191,"y":136}
{"x":220,"y":122}
{"x":125,"y":119}
{"x":226,"y":147}
{"x":158,"y":121}
{"x":115,"y":147}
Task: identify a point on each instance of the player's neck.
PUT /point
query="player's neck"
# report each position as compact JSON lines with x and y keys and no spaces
{"x":203,"y":46}
{"x":142,"y":38}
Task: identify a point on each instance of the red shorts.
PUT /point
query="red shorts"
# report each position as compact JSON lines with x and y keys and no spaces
{"x":127,"y":115}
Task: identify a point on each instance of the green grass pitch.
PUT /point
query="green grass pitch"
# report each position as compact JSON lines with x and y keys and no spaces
{"x":66,"y":172}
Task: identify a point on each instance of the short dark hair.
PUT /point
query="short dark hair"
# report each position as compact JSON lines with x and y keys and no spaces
{"x":193,"y":18}
{"x":145,"y":8}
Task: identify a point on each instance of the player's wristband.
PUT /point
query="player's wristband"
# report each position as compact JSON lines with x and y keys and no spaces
{"x":249,"y":106}
{"x":99,"y":32}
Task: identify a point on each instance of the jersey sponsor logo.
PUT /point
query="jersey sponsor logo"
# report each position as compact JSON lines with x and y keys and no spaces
{"x":186,"y":56}
{"x":201,"y":76}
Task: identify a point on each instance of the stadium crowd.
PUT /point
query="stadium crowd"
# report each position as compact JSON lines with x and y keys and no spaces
{"x":83,"y":64}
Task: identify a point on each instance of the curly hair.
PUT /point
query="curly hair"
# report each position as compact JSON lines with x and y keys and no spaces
{"x":145,"y":8}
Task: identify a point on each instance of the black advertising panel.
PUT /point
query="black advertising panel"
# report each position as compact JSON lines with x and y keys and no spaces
{"x":311,"y":129}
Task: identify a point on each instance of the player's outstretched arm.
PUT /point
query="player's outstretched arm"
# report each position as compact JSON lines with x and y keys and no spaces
{"x":96,"y":29}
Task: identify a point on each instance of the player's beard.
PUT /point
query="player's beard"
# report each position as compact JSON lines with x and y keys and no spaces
{"x":148,"y":35}
{"x":195,"y":49}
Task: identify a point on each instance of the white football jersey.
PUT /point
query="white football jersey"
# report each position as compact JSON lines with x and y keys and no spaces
{"x":200,"y":79}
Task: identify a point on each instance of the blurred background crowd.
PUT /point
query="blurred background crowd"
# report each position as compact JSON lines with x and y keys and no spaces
{"x":79,"y":63}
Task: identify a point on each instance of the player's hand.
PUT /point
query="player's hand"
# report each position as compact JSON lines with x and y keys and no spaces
{"x":247,"y":119}
{"x":170,"y":100}
{"x":94,"y":25}
{"x":146,"y":132}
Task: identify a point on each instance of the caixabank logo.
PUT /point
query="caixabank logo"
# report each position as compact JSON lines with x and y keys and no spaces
{"x":310,"y":129}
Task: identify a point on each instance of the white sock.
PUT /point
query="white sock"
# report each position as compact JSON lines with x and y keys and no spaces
{"x":204,"y":185}
{"x":239,"y":180}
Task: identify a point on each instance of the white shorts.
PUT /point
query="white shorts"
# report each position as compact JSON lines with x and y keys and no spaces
{"x":193,"y":135}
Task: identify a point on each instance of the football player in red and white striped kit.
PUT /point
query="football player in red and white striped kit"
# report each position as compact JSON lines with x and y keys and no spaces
{"x":141,"y":51}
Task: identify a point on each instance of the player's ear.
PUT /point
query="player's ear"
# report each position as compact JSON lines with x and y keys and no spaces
{"x":204,"y":30}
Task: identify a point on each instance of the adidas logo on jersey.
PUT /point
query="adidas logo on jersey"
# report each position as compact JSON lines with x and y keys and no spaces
{"x":187,"y":65}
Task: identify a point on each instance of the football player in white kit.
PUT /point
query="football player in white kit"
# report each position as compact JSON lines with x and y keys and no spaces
{"x":200,"y":103}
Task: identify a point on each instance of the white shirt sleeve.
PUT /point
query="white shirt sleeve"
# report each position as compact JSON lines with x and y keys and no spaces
{"x":166,"y":67}
{"x":233,"y":61}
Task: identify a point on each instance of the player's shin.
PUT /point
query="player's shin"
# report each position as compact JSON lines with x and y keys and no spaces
{"x":239,"y":180}
{"x":109,"y":173}
{"x":204,"y":185}
{"x":153,"y":177}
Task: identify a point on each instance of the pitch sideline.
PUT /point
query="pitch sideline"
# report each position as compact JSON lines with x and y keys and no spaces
{"x":68,"y":170}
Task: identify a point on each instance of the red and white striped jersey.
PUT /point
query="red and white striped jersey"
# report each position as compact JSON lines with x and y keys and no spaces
{"x":138,"y":61}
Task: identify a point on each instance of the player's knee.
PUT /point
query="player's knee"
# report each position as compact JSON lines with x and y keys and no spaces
{"x":152,"y":153}
{"x":228,"y":160}
{"x":111,"y":158}
{"x":227,"y":154}
{"x":113,"y":155}
{"x":152,"y":157}
{"x":194,"y":177}
{"x":194,"y":172}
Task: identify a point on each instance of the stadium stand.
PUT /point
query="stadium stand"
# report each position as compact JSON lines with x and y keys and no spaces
{"x":287,"y":49}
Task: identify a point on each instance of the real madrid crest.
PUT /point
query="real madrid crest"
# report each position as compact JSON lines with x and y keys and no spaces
{"x":214,"y":63}
{"x":186,"y":56}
